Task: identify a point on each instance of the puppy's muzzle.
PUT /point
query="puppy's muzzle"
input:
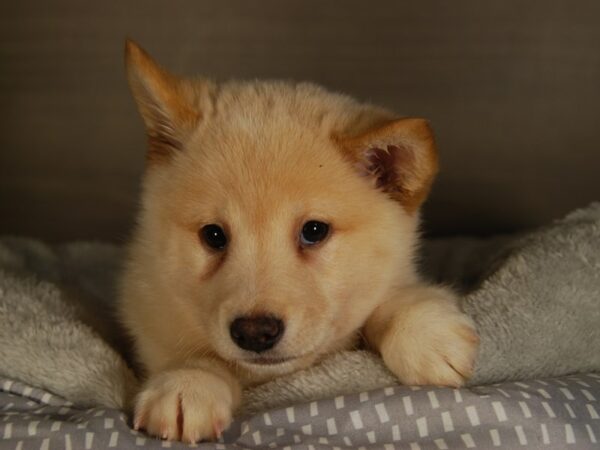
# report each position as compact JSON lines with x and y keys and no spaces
{"x":257,"y":333}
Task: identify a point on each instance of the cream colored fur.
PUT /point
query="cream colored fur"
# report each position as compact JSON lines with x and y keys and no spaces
{"x":260,"y":159}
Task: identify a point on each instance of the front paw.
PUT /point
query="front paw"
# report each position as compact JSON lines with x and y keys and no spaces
{"x":434,"y":343}
{"x":186,"y":404}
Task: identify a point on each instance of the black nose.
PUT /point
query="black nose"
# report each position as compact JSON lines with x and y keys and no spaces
{"x":256,"y":334}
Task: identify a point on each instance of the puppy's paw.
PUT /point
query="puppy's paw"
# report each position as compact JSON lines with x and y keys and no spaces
{"x":432,"y":342}
{"x":187,"y":404}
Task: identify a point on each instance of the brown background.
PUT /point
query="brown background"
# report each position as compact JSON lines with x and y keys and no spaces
{"x":512,"y":88}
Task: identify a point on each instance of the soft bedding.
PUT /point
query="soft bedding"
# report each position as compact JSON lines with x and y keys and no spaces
{"x":535,"y":300}
{"x":553,"y":413}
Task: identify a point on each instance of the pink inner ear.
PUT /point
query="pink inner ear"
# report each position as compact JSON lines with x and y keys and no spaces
{"x":380,"y":164}
{"x":387,"y":166}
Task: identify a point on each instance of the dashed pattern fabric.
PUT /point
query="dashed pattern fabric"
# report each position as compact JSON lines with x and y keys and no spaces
{"x":555,"y":413}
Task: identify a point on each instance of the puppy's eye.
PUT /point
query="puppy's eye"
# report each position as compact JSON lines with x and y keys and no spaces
{"x":214,"y":236}
{"x":313,"y":232}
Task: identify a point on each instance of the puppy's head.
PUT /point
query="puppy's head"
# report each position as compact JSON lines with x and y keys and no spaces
{"x":275,"y":217}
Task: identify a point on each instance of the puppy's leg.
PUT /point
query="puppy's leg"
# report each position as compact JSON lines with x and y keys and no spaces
{"x":190,"y":404}
{"x":423,"y":337}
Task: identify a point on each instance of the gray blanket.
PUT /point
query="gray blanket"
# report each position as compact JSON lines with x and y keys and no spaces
{"x":535,"y":300}
{"x":556,"y":414}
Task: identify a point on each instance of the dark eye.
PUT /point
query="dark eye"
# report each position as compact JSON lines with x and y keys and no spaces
{"x":313,"y":232}
{"x":214,"y":236}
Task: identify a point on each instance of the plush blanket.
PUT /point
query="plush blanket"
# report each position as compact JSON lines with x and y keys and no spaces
{"x":535,"y":300}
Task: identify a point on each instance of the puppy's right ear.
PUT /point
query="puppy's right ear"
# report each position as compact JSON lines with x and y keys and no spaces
{"x":166,"y":103}
{"x":398,"y":156}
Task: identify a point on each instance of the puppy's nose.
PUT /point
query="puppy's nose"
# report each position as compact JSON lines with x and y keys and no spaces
{"x":256,"y":334}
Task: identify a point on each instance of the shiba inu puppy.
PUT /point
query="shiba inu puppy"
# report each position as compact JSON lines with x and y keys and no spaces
{"x":278,"y":224}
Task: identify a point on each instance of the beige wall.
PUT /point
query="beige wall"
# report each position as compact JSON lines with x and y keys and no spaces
{"x":512,"y":88}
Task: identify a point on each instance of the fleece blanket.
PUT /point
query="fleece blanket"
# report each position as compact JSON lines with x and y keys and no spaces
{"x":536,"y":305}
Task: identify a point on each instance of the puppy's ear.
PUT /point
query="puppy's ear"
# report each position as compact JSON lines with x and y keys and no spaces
{"x":399,"y":157}
{"x":166,"y":103}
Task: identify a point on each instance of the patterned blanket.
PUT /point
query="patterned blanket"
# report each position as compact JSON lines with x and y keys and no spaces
{"x":552,"y":413}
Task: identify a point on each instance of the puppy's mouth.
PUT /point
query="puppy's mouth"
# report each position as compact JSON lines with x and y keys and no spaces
{"x":268,"y":361}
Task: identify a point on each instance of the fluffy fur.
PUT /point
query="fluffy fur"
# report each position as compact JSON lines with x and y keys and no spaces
{"x":260,"y":159}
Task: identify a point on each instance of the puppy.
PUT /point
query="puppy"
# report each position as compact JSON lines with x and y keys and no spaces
{"x":278,"y":224}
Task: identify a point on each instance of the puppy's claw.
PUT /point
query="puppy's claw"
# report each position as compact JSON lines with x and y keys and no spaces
{"x":469,"y":334}
{"x":138,"y":423}
{"x":218,"y":428}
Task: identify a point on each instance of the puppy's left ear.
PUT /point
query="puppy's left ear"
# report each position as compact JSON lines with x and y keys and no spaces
{"x":168,"y":104}
{"x":399,"y":157}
